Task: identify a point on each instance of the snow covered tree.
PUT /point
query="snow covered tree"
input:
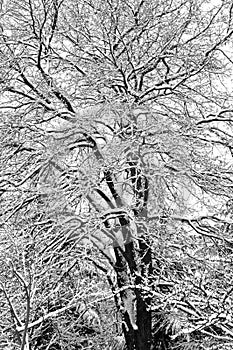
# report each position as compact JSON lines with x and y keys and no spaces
{"x":116,"y":166}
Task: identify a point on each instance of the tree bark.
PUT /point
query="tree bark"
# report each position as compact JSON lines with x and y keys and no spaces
{"x":136,"y":313}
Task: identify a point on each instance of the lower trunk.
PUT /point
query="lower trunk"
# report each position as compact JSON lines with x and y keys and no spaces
{"x":144,"y":319}
{"x":135,"y":305}
{"x":143,"y":334}
{"x":135,"y":308}
{"x":127,"y":300}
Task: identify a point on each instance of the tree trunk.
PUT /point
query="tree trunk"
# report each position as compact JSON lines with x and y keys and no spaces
{"x":136,"y":313}
{"x":127,"y":300}
{"x":144,"y":319}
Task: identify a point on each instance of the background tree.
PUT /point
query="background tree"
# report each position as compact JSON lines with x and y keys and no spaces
{"x":116,"y":150}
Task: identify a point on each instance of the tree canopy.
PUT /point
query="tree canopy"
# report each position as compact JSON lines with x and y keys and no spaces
{"x":116,"y":174}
